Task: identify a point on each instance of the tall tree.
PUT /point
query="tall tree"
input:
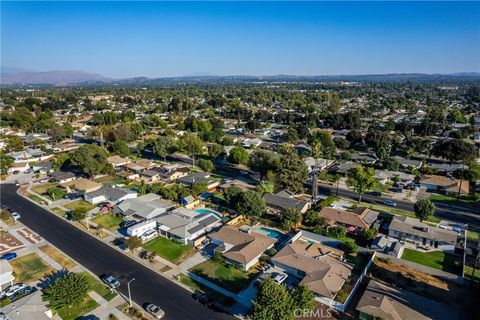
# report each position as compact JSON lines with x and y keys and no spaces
{"x":238,"y":155}
{"x":263,"y":161}
{"x":424,"y":209}
{"x":66,"y":292}
{"x":361,"y":179}
{"x":120,"y":147}
{"x":273,"y":302}
{"x":91,"y":159}
{"x":251,"y":203}
{"x":193,"y":145}
{"x":291,"y":173}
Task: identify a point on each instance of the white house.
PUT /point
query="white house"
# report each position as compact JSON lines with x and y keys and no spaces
{"x":6,"y":275}
{"x":140,"y":228}
{"x":111,"y":194}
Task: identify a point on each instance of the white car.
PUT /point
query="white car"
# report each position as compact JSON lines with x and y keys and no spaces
{"x":148,"y":235}
{"x":15,"y":215}
{"x":332,"y":205}
{"x":280,"y":278}
{"x":10,"y":291}
{"x":155,"y":311}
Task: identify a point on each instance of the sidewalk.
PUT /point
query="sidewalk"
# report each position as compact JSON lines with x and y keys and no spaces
{"x":107,"y":307}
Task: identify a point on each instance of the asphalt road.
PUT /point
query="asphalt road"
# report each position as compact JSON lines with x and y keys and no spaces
{"x":148,"y":287}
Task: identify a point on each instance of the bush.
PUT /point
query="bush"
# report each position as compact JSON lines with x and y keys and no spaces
{"x":205,"y":165}
{"x":349,"y":247}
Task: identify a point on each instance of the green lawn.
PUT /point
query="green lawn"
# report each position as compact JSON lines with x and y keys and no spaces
{"x":79,"y":204}
{"x":472,"y":235}
{"x":225,"y":275}
{"x":99,"y":287}
{"x":399,"y":212}
{"x":30,"y":268}
{"x":108,"y":221}
{"x":77,"y":310}
{"x":42,"y":188}
{"x":167,"y":249}
{"x":190,"y":283}
{"x":437,"y":260}
{"x":453,"y":200}
{"x":110,"y":180}
{"x":36,"y":199}
{"x":468,"y":273}
{"x":58,"y":211}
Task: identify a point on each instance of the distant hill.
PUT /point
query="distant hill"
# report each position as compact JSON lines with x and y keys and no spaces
{"x":49,"y":77}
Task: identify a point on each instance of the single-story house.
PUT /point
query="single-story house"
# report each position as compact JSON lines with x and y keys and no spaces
{"x":150,"y":176}
{"x":303,"y":148}
{"x":384,"y":176}
{"x":241,"y":248}
{"x":128,"y":175}
{"x":412,"y":230}
{"x":285,"y":199}
{"x":81,"y":185}
{"x":140,"y":165}
{"x":342,"y":168}
{"x":117,"y":161}
{"x":446,"y":167}
{"x":6,"y":274}
{"x":18,"y":167}
{"x":392,"y":247}
{"x":111,"y":194}
{"x":32,"y":137}
{"x":236,"y":183}
{"x":365,"y":158}
{"x":148,"y":206}
{"x":189,"y":202}
{"x":186,"y":225}
{"x":199,"y":177}
{"x":29,"y":155}
{"x":318,"y":163}
{"x":29,"y":307}
{"x":361,"y":219}
{"x":318,"y":267}
{"x":251,"y":142}
{"x":380,"y":301}
{"x":444,"y":184}
{"x":43,"y":167}
{"x":405,"y":163}
{"x":62,"y":176}
{"x":172,"y":172}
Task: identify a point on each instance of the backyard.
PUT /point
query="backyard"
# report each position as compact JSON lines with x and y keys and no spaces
{"x":437,"y":259}
{"x":168,"y":249}
{"x":111,"y":180}
{"x":108,"y":221}
{"x":225,"y":275}
{"x":79,"y":204}
{"x":29,"y":268}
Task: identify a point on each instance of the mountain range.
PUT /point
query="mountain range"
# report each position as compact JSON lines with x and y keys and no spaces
{"x":18,"y":76}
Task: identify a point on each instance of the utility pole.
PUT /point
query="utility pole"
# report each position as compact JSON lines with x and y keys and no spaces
{"x":129,"y":294}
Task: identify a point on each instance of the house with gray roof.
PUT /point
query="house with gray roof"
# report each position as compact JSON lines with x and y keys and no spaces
{"x":148,"y":206}
{"x":285,"y":199}
{"x":111,"y":194}
{"x":186,"y":225}
{"x":29,"y":307}
{"x":199,"y":177}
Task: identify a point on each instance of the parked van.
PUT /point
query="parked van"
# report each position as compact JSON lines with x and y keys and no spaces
{"x":140,"y":228}
{"x":148,"y":235}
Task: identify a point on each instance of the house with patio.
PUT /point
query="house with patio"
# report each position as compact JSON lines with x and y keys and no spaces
{"x":241,"y":248}
{"x":145,"y":207}
{"x":412,"y":230}
{"x":360,"y":219}
{"x":319,"y":267}
{"x":186,"y":225}
{"x":112,"y":194}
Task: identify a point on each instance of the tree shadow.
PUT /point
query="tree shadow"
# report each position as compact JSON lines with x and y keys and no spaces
{"x":50,"y":278}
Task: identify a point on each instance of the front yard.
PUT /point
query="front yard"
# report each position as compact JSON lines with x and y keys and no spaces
{"x":168,"y":249}
{"x":30,"y":268}
{"x":99,"y":287}
{"x":225,"y":275}
{"x":43,"y":188}
{"x":111,"y":180}
{"x":108,"y":221}
{"x":79,"y":204}
{"x":437,"y":259}
{"x":58,"y":257}
{"x":77,"y":310}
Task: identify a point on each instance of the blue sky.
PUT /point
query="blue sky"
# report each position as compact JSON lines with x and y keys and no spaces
{"x":155,"y":39}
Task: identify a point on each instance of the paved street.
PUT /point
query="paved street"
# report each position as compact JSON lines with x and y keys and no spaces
{"x":100,"y":258}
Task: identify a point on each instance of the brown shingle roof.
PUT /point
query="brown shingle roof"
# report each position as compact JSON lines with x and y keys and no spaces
{"x":363,"y":219}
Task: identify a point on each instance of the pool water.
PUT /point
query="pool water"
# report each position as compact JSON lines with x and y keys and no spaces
{"x":207,"y":211}
{"x":272,"y":233}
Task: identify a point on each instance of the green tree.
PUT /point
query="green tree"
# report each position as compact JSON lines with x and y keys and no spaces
{"x":273,"y":302}
{"x":302,"y":298}
{"x":61,"y":161}
{"x":199,"y":188}
{"x":5,"y":162}
{"x":290,"y":218}
{"x":251,"y":203}
{"x":424,"y":209}
{"x":91,"y":159}
{"x":349,"y":247}
{"x":263,"y":161}
{"x":133,"y":243}
{"x":238,"y":155}
{"x":79,"y":214}
{"x":164,"y":146}
{"x":291,"y":173}
{"x":205,"y":165}
{"x":322,"y":141}
{"x":67,"y":291}
{"x":193,"y":145}
{"x":56,"y":193}
{"x":232,"y":196}
{"x":215,"y":150}
{"x":361,"y":179}
{"x":120,"y":147}
{"x":265,"y":187}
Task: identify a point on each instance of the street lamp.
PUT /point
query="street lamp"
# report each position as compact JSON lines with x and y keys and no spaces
{"x":129,"y":295}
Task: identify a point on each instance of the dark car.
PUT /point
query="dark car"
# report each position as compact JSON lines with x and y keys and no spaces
{"x":128,"y":223}
{"x":110,"y":280}
{"x":9,"y":256}
{"x":203,"y":299}
{"x":375,"y":193}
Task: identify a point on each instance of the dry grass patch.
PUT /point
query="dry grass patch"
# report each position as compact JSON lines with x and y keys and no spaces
{"x":58,"y":257}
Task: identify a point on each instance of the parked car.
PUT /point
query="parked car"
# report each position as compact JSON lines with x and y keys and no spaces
{"x":111,"y":281}
{"x":375,"y":193}
{"x":9,"y":256}
{"x":127,"y":223}
{"x":15,"y":215}
{"x":17,"y":184}
{"x":143,"y":254}
{"x":148,"y":235}
{"x":244,"y":172}
{"x":155,"y":311}
{"x":72,"y":196}
{"x":11,"y":290}
{"x":279,"y":277}
{"x":390,"y":203}
{"x":332,"y":205}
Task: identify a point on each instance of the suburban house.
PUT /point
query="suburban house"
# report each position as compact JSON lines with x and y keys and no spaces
{"x":445,"y":167}
{"x":6,"y":274}
{"x":81,"y":185}
{"x":199,"y":177}
{"x":172,"y":172}
{"x":444,"y":184}
{"x":111,"y":194}
{"x":236,"y":183}
{"x":241,"y":248}
{"x":43,"y":167}
{"x":62,"y":176}
{"x":405,"y":163}
{"x":186,"y":225}
{"x":365,"y":158}
{"x":392,"y":247}
{"x":384,"y":176}
{"x":189,"y":202}
{"x":412,"y":230}
{"x":343,"y":168}
{"x":31,"y":155}
{"x":317,"y":266}
{"x":360,"y":219}
{"x":284,"y":199}
{"x":148,"y":206}
{"x":150,"y":176}
{"x":29,"y":307}
{"x":117,"y":161}
{"x":140,"y":165}
{"x":251,"y":142}
{"x":318,"y":163}
{"x":380,"y":301}
{"x":18,"y":167}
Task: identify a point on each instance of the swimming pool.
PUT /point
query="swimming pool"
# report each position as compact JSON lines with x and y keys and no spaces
{"x":207,"y":211}
{"x":271,"y":233}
